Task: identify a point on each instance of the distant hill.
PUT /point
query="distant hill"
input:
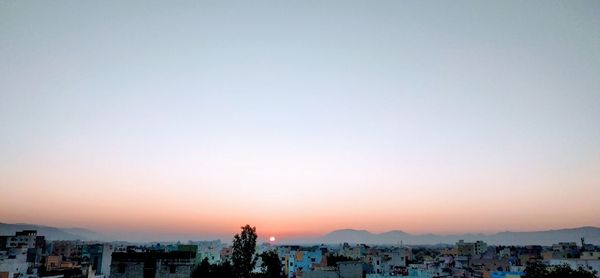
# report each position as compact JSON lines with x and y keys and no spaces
{"x":591,"y":235}
{"x":51,"y":233}
{"x":85,"y":233}
{"x":548,"y":237}
{"x":348,"y":235}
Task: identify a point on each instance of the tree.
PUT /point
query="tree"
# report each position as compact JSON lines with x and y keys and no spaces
{"x":207,"y":270}
{"x":223,"y":270}
{"x":202,"y":270}
{"x":566,"y":271}
{"x":535,"y":269}
{"x":244,"y":246}
{"x":540,"y":270}
{"x":271,"y":265}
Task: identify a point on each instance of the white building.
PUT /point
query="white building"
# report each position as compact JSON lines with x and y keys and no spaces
{"x":210,"y":250}
{"x":590,"y":255}
{"x":26,"y":239}
{"x":15,"y":263}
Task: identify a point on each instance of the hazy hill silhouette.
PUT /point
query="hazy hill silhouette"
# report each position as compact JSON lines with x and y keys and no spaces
{"x":51,"y":233}
{"x":547,"y":237}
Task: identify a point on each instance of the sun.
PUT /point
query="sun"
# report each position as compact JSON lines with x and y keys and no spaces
{"x":272,"y":239}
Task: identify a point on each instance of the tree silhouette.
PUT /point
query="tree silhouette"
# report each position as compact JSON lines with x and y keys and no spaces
{"x":271,"y":265}
{"x":566,"y":271}
{"x":536,"y":269}
{"x":202,"y":270}
{"x":224,"y":270}
{"x":244,"y":247}
{"x":540,"y":270}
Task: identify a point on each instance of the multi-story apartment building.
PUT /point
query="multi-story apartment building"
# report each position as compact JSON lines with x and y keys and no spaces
{"x":176,"y":264}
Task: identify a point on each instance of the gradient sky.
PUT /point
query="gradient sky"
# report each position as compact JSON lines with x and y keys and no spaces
{"x":300,"y":117}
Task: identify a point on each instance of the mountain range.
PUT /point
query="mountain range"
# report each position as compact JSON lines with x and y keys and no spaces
{"x":547,"y":237}
{"x":52,"y":233}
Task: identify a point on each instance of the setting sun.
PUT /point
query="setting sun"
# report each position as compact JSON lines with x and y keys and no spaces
{"x":272,"y":239}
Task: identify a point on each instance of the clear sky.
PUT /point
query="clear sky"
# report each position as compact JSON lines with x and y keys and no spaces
{"x":300,"y":117}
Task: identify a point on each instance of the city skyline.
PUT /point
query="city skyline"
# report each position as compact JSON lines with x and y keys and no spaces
{"x":300,"y":117}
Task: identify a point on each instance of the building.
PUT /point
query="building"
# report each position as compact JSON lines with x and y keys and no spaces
{"x":66,"y":249}
{"x":14,"y":263}
{"x":26,"y":239}
{"x":21,"y":253}
{"x":506,"y":274}
{"x":98,"y":256}
{"x":226,"y":253}
{"x":352,"y":269}
{"x":565,"y":250}
{"x":590,"y":255}
{"x":210,"y":250}
{"x":330,"y":272}
{"x":297,"y":261}
{"x":471,"y":248}
{"x":176,"y":264}
{"x":355,"y":252}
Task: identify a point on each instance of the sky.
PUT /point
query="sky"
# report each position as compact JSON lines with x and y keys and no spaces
{"x":300,"y":117}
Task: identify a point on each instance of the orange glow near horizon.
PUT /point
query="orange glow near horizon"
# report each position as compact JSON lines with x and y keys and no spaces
{"x":137,"y":204}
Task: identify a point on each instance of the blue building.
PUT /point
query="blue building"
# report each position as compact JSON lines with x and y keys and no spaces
{"x":506,"y":274}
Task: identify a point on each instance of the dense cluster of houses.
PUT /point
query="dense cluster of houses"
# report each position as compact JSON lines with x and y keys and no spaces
{"x":29,"y":255}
